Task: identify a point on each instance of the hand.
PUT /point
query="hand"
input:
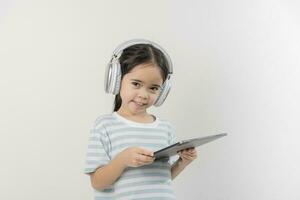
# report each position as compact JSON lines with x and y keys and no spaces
{"x":187,"y":156}
{"x":136,"y":157}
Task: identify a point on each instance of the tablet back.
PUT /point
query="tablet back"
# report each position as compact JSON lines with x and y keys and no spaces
{"x":185,"y":144}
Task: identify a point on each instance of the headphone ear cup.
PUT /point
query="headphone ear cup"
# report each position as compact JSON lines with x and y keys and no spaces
{"x":118,"y":75}
{"x":108,"y":78}
{"x":113,"y":77}
{"x":163,"y":94}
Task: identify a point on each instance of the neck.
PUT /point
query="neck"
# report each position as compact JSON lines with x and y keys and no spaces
{"x":138,"y":117}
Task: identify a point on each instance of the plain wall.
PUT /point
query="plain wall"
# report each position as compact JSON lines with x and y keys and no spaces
{"x":236,"y":70}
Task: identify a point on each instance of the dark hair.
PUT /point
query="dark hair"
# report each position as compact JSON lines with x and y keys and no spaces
{"x":141,"y":54}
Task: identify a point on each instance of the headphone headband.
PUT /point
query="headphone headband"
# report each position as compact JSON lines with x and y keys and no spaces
{"x":118,"y":51}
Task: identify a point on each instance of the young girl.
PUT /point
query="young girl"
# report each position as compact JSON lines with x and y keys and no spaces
{"x":120,"y":158}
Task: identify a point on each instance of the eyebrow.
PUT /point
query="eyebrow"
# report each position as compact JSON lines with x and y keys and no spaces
{"x":142,"y":82}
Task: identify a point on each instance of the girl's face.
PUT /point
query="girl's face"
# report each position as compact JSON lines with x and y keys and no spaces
{"x":140,"y":88}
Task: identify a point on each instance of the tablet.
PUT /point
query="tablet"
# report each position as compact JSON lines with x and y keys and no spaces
{"x":185,"y":144}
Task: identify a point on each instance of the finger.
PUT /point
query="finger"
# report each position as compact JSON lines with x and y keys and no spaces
{"x":137,"y":163}
{"x":146,"y":159}
{"x":146,"y":152}
{"x":188,"y":157}
{"x":180,"y":154}
{"x":185,"y":153}
{"x":141,"y":163}
{"x":141,"y":157}
{"x":192,"y":153}
{"x":184,"y":157}
{"x":149,"y":162}
{"x":190,"y":149}
{"x":149,"y":159}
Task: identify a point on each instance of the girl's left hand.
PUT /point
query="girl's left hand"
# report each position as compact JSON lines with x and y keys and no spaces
{"x":187,"y":156}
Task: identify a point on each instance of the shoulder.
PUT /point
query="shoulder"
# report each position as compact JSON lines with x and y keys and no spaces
{"x":166,"y":123}
{"x":101,"y":125}
{"x":104,"y":118}
{"x":102,"y":121}
{"x":170,"y":129}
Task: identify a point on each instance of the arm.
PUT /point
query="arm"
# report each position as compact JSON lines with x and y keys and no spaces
{"x":105,"y":176}
{"x":176,"y":169}
{"x":186,"y":157}
{"x":131,"y":157}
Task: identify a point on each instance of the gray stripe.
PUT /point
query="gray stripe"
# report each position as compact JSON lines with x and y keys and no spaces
{"x":155,"y":165}
{"x":104,"y":119}
{"x":89,"y":170}
{"x":162,"y":191}
{"x":108,"y":190}
{"x":117,"y":130}
{"x":154,"y":198}
{"x":126,"y":185}
{"x":130,"y":176}
{"x":132,"y":144}
{"x":137,"y":136}
{"x":145,"y":138}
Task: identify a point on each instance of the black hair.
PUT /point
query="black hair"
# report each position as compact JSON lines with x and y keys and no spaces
{"x":141,"y":54}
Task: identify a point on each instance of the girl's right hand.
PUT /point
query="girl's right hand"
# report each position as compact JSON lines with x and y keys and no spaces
{"x":136,"y":157}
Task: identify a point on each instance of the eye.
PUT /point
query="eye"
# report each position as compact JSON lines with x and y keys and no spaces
{"x":155,"y":88}
{"x":136,"y":84}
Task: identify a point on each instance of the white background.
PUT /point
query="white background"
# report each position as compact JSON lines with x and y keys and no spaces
{"x":236,"y":70}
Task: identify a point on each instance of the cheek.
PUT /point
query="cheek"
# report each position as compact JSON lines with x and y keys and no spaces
{"x":125,"y":96}
{"x":153,"y":97}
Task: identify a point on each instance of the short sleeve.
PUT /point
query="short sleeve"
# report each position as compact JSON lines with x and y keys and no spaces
{"x":172,"y":140}
{"x":97,"y":154}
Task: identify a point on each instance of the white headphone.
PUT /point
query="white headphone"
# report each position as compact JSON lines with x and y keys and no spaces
{"x":113,"y":73}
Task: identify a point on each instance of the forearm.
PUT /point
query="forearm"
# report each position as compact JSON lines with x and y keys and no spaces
{"x":176,"y":169}
{"x":108,"y":174}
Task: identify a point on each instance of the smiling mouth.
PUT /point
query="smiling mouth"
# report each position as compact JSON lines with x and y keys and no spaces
{"x":140,"y":104}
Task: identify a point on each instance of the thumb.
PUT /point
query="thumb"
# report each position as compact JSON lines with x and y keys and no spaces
{"x":146,"y":152}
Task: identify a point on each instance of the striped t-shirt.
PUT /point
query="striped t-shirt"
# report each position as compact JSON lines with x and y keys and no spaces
{"x":113,"y":133}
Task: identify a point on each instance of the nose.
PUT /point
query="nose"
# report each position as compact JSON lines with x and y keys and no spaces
{"x":143,"y":93}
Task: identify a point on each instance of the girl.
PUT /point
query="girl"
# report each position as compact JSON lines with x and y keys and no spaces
{"x":120,"y":158}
